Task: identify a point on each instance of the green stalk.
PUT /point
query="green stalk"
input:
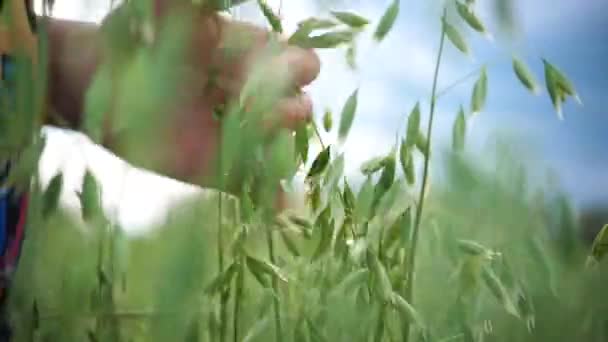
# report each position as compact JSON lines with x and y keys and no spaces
{"x":463,"y":79}
{"x":220,"y":251}
{"x":411,"y":260}
{"x":240,"y":283}
{"x":379,"y":333}
{"x":318,"y":134}
{"x":275,"y":288}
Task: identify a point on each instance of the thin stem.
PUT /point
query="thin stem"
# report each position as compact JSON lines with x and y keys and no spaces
{"x":461,"y":80}
{"x":275,"y":288}
{"x":458,"y":82}
{"x":411,"y":260}
{"x":379,"y":333}
{"x":318,"y":134}
{"x":220,"y":235}
{"x":237,"y":299}
{"x":220,"y":251}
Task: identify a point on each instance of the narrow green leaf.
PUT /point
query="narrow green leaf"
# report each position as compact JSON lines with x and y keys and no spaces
{"x":284,"y":223}
{"x":413,"y":125}
{"x":246,"y":205}
{"x":455,"y":37}
{"x":303,"y":222}
{"x":525,"y":75}
{"x":373,"y":165}
{"x":422,"y":143}
{"x":273,"y":19}
{"x":348,"y":114}
{"x":51,"y":195}
{"x":480,"y":89}
{"x":385,"y":287}
{"x":258,"y":275}
{"x":387,"y":21}
{"x":364,"y":201}
{"x":555,"y":92}
{"x":327,"y":40}
{"x":90,"y":197}
{"x":324,"y":242}
{"x":320,"y":163}
{"x":469,"y":273}
{"x":266,"y":267}
{"x":563,"y":82}
{"x":306,"y":27}
{"x":351,"y":281}
{"x":410,"y":171}
{"x":348,"y":198}
{"x":399,"y":231}
{"x":351,"y":19}
{"x":459,"y":131}
{"x":289,"y":243}
{"x":222,"y":280}
{"x":334,"y":173}
{"x":499,"y":291}
{"x":388,"y":173}
{"x":559,"y":87}
{"x":324,"y":225}
{"x":470,"y":17}
{"x":302,"y":139}
{"x":407,"y":311}
{"x":472,"y":247}
{"x":407,"y":162}
{"x":327,"y":121}
{"x":405,"y":221}
{"x":317,"y":24}
{"x":526,"y":307}
{"x":599,"y":248}
{"x":388,"y":199}
{"x":314,"y":197}
{"x":404,"y":153}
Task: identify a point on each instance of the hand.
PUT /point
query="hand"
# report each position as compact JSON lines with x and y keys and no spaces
{"x":195,"y":132}
{"x":220,"y":56}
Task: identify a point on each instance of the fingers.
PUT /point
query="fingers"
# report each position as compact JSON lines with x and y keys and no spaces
{"x":303,"y":65}
{"x":240,"y":49}
{"x":244,"y":46}
{"x":295,"y":110}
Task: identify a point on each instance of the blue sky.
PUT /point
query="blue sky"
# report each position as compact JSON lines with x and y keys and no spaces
{"x":392,"y":76}
{"x":572,"y":34}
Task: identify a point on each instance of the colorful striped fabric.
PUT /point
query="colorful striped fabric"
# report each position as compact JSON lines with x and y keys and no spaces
{"x":11,"y":204}
{"x":13,"y":210}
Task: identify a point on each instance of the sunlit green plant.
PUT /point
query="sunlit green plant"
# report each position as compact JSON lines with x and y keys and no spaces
{"x":229,"y":267}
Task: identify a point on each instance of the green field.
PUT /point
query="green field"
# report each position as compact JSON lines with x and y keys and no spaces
{"x":468,"y":253}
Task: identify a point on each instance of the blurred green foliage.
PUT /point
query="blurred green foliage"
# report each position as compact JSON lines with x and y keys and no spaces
{"x":496,"y":260}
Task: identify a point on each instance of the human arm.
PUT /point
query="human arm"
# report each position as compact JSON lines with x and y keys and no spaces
{"x":76,"y":54}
